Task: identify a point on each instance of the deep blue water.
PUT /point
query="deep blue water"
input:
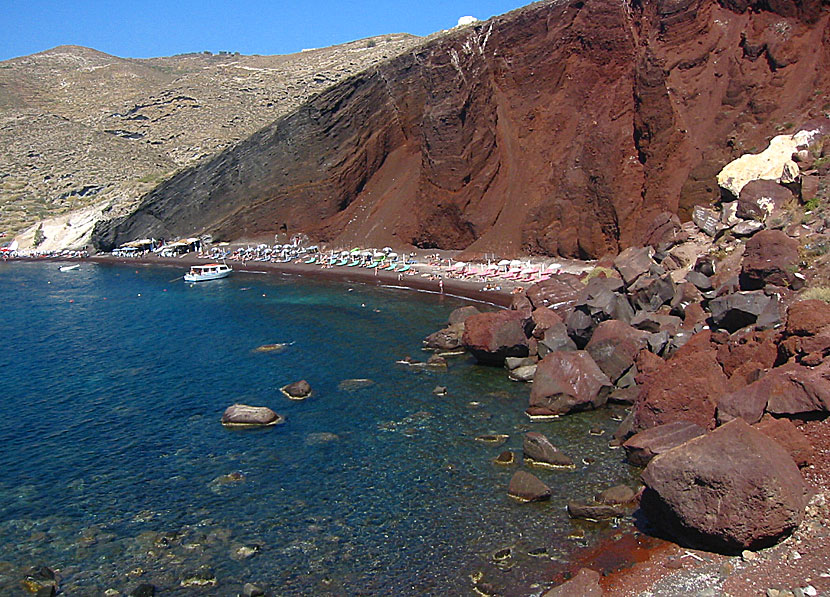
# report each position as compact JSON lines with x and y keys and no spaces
{"x":113,"y":381}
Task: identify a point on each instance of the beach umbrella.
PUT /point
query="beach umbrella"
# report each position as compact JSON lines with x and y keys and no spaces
{"x":355,"y":250}
{"x":459,"y":265}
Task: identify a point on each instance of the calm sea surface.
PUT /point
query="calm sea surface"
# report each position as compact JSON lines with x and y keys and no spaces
{"x":116,"y":470}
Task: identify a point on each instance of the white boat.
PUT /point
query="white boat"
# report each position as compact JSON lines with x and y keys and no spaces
{"x":211,"y":271}
{"x":69,"y":268}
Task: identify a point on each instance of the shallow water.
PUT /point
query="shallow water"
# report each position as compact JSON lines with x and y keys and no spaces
{"x":117,"y":471}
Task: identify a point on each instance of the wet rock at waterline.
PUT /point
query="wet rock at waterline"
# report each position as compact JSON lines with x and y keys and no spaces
{"x":568,"y":382}
{"x":588,"y":511}
{"x":526,"y":487}
{"x":505,"y":458}
{"x":539,"y":451}
{"x":243,"y":415}
{"x":491,"y":337}
{"x":275,"y":348}
{"x":299,"y":390}
{"x":731,"y":489}
{"x":584,"y":584}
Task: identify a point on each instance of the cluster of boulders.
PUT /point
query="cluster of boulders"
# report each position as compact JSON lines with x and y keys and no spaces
{"x":702,"y":334}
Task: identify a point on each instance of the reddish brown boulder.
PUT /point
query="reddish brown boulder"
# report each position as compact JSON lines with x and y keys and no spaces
{"x":633,"y":263}
{"x":745,"y":346}
{"x":728,"y":490}
{"x":759,"y":198}
{"x":747,"y":402}
{"x":491,"y":337}
{"x":790,"y":438}
{"x":558,"y":293}
{"x":584,"y":584}
{"x":544,"y":319}
{"x":684,"y":388}
{"x":539,"y":451}
{"x":642,"y":447}
{"x":770,"y":257}
{"x":526,"y":487}
{"x":614,"y":347}
{"x":567,"y":382}
{"x":794,"y":389}
{"x":806,"y":318}
{"x":461,"y":314}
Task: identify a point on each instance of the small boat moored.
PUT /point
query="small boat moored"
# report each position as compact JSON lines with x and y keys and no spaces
{"x":211,"y":271}
{"x":68,"y":268}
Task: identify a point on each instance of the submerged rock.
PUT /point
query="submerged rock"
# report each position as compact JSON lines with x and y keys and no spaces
{"x":584,"y":584}
{"x":352,"y":385}
{"x":243,"y":415}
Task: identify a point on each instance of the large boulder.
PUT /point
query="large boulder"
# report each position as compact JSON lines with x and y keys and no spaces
{"x":729,"y":490}
{"x":739,"y":309}
{"x":641,"y":447}
{"x":526,"y":487}
{"x":794,"y":389}
{"x":789,"y":437}
{"x":461,"y":314}
{"x":614,"y":346}
{"x":491,"y":337}
{"x":683,"y":388}
{"x":539,"y":451}
{"x":770,"y":257}
{"x":633,"y":262}
{"x":558,"y":293}
{"x":243,"y":415}
{"x":807,"y":318}
{"x":567,"y":382}
{"x":759,"y":198}
{"x":774,"y":163}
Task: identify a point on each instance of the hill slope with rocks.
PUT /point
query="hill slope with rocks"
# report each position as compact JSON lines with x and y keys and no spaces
{"x":81,"y":127}
{"x":564,"y":128}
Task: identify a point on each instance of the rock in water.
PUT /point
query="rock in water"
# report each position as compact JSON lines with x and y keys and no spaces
{"x":242,"y":415}
{"x":299,"y":390}
{"x":527,"y":488}
{"x":539,"y":451}
{"x":491,"y":337}
{"x":567,"y":382}
{"x":729,"y":490}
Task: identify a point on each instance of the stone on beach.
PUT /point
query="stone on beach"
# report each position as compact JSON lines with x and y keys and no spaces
{"x":243,"y":415}
{"x":728,"y":490}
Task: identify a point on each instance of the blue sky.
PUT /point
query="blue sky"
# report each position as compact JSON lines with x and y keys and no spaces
{"x":165,"y":27}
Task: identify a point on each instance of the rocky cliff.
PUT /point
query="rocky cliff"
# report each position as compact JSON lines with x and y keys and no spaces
{"x":566,"y":127}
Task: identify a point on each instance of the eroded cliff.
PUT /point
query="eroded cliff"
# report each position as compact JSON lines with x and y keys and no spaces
{"x":561,"y":128}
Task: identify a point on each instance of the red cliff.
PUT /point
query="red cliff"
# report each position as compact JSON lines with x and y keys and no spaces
{"x":560,"y":128}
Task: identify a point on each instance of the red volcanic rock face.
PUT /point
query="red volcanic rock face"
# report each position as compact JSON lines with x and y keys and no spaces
{"x":563,"y":128}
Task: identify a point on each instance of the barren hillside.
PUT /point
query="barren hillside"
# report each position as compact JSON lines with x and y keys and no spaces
{"x":78,"y":126}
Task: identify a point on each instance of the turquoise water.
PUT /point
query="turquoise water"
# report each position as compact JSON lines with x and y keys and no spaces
{"x":116,"y":470}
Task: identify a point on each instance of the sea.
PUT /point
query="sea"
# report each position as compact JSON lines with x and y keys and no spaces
{"x":117,"y":471}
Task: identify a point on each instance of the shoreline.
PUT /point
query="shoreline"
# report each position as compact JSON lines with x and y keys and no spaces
{"x":452,"y":287}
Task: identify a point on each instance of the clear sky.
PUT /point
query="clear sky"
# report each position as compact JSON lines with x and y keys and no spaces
{"x":143,"y":29}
